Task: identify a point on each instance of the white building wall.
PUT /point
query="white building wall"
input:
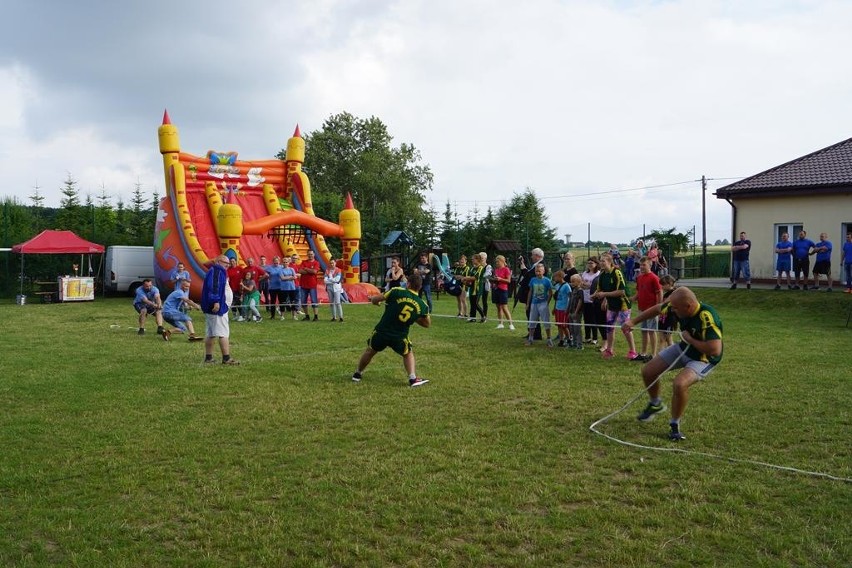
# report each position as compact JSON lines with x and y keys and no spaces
{"x":757,"y":216}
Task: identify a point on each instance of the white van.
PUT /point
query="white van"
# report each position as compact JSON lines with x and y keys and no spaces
{"x":127,"y":267}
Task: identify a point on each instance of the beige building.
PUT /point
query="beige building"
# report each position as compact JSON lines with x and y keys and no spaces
{"x":813,"y":193}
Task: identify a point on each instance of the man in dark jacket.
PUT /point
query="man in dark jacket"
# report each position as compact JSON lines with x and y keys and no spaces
{"x":216,"y":298}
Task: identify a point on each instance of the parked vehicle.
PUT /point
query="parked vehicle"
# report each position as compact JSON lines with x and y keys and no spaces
{"x":127,"y":267}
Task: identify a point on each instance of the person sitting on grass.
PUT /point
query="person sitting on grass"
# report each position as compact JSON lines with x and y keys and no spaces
{"x":174,"y":312}
{"x":148,"y":301}
{"x":697,"y":354}
{"x":403,"y":308}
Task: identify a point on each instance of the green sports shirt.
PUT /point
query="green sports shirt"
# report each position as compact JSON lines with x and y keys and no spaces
{"x":704,"y":325}
{"x":402,"y":309}
{"x":610,"y":282}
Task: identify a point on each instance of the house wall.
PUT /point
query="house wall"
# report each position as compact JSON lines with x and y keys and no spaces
{"x":817,"y":213}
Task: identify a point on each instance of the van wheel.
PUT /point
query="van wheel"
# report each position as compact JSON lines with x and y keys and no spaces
{"x":132,"y":288}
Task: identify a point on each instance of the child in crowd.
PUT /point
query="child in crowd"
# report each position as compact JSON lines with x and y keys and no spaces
{"x":562,"y":293}
{"x":500,"y":291}
{"x":541,"y":291}
{"x":251,"y":297}
{"x":334,"y":290}
{"x":612,"y":290}
{"x":668,"y":321}
{"x":649,"y":293}
{"x":575,"y":311}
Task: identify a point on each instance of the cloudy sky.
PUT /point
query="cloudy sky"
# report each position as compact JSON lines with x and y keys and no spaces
{"x":611,"y":111}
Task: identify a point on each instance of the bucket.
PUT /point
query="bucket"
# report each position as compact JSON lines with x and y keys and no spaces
{"x":20,"y":299}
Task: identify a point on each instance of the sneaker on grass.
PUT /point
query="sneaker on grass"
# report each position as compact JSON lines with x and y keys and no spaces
{"x":675,"y":435}
{"x":356,"y":377}
{"x":417,"y":382}
{"x":650,"y":411}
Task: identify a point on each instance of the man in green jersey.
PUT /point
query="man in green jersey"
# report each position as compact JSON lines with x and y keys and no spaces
{"x":697,"y":354}
{"x":403,"y":308}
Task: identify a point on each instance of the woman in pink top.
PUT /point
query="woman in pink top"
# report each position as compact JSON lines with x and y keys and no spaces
{"x":500,"y":291}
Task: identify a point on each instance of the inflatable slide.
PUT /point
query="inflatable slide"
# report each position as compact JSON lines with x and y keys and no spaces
{"x":218,"y":204}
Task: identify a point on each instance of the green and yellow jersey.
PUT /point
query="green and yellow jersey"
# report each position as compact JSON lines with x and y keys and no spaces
{"x":610,"y":282}
{"x":402,"y":309}
{"x":704,"y":325}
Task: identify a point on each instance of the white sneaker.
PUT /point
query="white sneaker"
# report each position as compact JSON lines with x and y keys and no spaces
{"x":511,"y":327}
{"x":241,"y":318}
{"x":500,"y":326}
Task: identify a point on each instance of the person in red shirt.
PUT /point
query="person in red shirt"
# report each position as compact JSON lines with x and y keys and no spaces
{"x":308,"y":283}
{"x":235,"y":277}
{"x":649,"y":293}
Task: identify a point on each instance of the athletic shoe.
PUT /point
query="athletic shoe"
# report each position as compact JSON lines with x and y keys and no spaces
{"x":675,"y":435}
{"x":194,"y":337}
{"x":633,"y":356}
{"x":166,"y":335}
{"x":231,"y":362}
{"x":639,"y":357}
{"x":160,"y":330}
{"x":241,"y":318}
{"x":208,"y":361}
{"x":417,"y":382}
{"x":471,"y":320}
{"x":550,"y":343}
{"x":778,"y":286}
{"x":578,"y":347}
{"x":789,"y":287}
{"x":647,"y":358}
{"x":356,"y":377}
{"x":333,"y":319}
{"x":512,"y":327}
{"x":483,"y":320}
{"x":500,"y":326}
{"x":141,"y":331}
{"x":607,"y":354}
{"x":340,"y":320}
{"x":733,"y":286}
{"x":650,"y":411}
{"x":306,"y":318}
{"x":848,"y":291}
{"x":748,"y":285}
{"x":300,"y":313}
{"x":316,"y":317}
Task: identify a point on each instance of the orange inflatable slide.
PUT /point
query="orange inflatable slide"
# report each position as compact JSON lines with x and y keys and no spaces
{"x":218,"y":204}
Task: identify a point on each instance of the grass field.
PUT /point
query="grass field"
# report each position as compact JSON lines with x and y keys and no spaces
{"x":119,"y":450}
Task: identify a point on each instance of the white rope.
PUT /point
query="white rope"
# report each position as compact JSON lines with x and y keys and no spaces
{"x":594,"y":425}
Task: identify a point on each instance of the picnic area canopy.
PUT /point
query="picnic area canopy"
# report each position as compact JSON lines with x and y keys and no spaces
{"x":57,"y":242}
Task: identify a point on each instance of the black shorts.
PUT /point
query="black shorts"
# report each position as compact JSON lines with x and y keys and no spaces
{"x":801,"y":265}
{"x":500,"y":297}
{"x":378,"y":342}
{"x":822,"y":267}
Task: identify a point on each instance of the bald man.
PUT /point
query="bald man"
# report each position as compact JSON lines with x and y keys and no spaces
{"x":697,"y":354}
{"x":216,"y":299}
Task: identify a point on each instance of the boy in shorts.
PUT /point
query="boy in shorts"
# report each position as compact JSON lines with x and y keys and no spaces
{"x":698,"y":353}
{"x":403,"y":308}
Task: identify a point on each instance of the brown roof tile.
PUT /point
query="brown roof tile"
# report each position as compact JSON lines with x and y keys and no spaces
{"x":828,"y":170}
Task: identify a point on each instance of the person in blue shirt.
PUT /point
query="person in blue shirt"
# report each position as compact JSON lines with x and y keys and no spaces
{"x":784,"y":261}
{"x":801,"y":259}
{"x":216,"y":300}
{"x":846,"y":260}
{"x":179,"y":274}
{"x":562,"y":292}
{"x":148,"y":301}
{"x":276,"y":298}
{"x":822,"y":262}
{"x":174,"y":312}
{"x":538,"y":300}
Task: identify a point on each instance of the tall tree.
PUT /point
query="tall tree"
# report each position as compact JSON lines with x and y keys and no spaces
{"x":70,"y":215}
{"x":388,"y":184}
{"x":524,"y":219}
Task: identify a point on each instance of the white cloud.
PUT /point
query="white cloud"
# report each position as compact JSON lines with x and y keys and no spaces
{"x":565,"y":97}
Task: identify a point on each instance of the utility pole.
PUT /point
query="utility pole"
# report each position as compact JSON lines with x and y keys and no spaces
{"x":703,"y":227}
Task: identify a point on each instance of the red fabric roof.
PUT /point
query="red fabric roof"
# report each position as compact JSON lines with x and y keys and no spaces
{"x":57,"y":242}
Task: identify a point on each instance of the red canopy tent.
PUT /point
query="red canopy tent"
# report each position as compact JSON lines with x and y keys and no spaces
{"x":55,"y":242}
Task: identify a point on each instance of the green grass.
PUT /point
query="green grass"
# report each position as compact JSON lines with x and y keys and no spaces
{"x":120,"y":450}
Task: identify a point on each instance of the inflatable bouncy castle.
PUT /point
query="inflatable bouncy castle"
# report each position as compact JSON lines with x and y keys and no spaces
{"x":218,"y":204}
